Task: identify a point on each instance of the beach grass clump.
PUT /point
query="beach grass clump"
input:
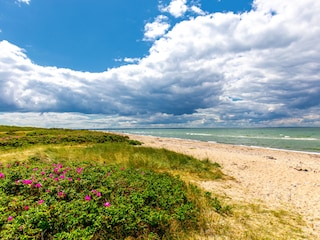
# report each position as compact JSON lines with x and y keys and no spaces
{"x":92,"y":201}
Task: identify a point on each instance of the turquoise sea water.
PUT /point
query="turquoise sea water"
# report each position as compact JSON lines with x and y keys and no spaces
{"x":299,"y":139}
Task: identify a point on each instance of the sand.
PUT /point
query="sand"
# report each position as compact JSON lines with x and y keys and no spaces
{"x":278,"y":178}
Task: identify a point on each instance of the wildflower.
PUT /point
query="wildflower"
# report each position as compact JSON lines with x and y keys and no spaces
{"x":79,"y":170}
{"x":2,"y":175}
{"x":69,"y":179}
{"x":56,"y":170}
{"x":78,"y":179}
{"x":87,"y":198}
{"x":40,"y":201}
{"x":61,"y":194}
{"x":59,"y":165}
{"x":43,"y":173}
{"x":107,"y":204}
{"x":27,"y":182}
{"x":26,"y":208}
{"x":94,"y":191}
{"x":62,"y":176}
{"x":35,"y":169}
{"x":38,"y":185}
{"x":10,"y":218}
{"x":51,"y":175}
{"x":56,"y":179}
{"x":98,"y":194}
{"x":17,"y":182}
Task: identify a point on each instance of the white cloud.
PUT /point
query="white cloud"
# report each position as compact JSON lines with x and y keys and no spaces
{"x":156,"y":29}
{"x":24,"y":1}
{"x":176,"y":8}
{"x":197,"y":10}
{"x":258,"y":68}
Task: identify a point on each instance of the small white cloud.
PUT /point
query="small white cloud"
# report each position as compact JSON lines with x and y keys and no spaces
{"x":24,"y":1}
{"x":131,"y":60}
{"x":197,"y":10}
{"x":176,"y":8}
{"x":156,"y":29}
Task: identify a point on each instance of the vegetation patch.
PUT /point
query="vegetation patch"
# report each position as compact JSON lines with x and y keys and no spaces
{"x":78,"y":184}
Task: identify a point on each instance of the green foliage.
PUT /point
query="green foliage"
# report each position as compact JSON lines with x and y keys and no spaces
{"x":65,"y":201}
{"x":14,"y":137}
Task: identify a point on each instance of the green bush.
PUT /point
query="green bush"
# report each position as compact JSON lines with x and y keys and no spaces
{"x":66,"y":201}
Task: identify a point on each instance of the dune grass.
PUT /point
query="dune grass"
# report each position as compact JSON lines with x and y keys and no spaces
{"x":76,"y":184}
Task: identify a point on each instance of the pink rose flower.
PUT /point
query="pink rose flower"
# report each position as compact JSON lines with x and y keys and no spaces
{"x":87,"y":198}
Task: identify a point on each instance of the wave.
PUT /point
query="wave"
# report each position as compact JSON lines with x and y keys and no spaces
{"x":271,"y":138}
{"x":199,"y":134}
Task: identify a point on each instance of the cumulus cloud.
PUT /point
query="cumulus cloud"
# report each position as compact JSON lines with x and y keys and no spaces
{"x":156,"y":29}
{"x":176,"y":8}
{"x":258,"y":68}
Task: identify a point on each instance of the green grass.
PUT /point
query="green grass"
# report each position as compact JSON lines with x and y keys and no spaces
{"x":93,"y":185}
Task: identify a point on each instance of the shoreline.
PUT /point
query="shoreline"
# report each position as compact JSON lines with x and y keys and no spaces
{"x":278,"y":178}
{"x":214,"y":142}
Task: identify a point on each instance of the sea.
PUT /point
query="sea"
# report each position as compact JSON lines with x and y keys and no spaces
{"x":306,"y":139}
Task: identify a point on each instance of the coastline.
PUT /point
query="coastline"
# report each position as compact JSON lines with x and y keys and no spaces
{"x":277,"y":177}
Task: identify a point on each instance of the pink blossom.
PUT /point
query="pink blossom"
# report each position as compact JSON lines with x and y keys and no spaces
{"x":51,"y":175}
{"x":87,"y":198}
{"x":56,"y":170}
{"x":43,"y":173}
{"x":61,"y":194}
{"x":56,"y":179}
{"x":26,"y":208}
{"x":38,"y":185}
{"x":69,"y":179}
{"x":78,"y":179}
{"x":2,"y":175}
{"x":27,"y":181}
{"x":62,"y":176}
{"x":40,"y":201}
{"x":59,"y":165}
{"x":107,"y":204}
{"x":35,"y":169}
{"x":79,"y":170}
{"x":94,"y":191}
{"x":98,"y":194}
{"x":10,"y":218}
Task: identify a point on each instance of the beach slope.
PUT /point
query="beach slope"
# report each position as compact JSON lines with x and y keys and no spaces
{"x":278,"y":178}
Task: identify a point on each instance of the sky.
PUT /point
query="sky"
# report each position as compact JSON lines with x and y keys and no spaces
{"x":159,"y":63}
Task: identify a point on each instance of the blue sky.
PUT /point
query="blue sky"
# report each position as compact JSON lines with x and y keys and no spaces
{"x":159,"y":63}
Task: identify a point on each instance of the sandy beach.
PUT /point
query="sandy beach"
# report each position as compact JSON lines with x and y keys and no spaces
{"x":278,"y":178}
